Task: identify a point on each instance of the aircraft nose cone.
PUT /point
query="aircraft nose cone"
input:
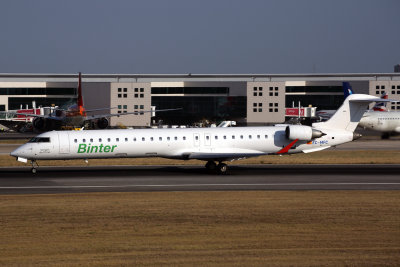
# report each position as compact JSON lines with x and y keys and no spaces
{"x":15,"y":153}
{"x":19,"y":151}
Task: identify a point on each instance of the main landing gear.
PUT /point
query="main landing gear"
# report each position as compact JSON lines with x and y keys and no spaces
{"x":221,"y":168}
{"x":34,"y":168}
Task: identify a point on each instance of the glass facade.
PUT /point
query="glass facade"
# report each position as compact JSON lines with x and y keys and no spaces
{"x":320,"y":101}
{"x":194,"y":109}
{"x":37,"y":91}
{"x":189,"y":90}
{"x":314,"y":89}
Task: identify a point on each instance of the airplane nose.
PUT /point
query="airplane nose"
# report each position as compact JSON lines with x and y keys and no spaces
{"x":19,"y":151}
{"x":16,"y":152}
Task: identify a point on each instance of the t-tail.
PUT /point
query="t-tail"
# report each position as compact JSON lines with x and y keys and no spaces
{"x":82,"y":111}
{"x":350,"y":113}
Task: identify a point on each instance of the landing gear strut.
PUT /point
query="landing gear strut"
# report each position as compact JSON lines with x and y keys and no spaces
{"x":34,"y":168}
{"x":221,"y":168}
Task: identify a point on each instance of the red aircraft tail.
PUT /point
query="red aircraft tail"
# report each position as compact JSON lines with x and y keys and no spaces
{"x":80,"y":97}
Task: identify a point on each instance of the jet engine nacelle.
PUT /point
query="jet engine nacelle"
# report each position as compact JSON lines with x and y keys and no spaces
{"x":45,"y":124}
{"x":102,"y":123}
{"x":39,"y":124}
{"x":302,"y":132}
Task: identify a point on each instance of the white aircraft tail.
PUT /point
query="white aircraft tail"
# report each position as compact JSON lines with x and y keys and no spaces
{"x":350,"y":113}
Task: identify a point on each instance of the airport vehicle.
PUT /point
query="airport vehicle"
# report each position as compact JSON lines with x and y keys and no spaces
{"x":386,"y":122}
{"x":218,"y":144}
{"x":75,"y":116}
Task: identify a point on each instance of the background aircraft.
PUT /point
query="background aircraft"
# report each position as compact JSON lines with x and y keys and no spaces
{"x":76,"y":116}
{"x":388,"y":123}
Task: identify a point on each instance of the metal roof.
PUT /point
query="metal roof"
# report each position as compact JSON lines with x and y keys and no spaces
{"x":37,"y":77}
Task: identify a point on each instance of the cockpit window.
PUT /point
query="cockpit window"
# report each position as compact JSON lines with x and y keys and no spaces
{"x":40,"y":140}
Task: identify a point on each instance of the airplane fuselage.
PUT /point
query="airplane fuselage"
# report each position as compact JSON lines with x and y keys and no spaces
{"x":189,"y":143}
{"x":381,"y":121}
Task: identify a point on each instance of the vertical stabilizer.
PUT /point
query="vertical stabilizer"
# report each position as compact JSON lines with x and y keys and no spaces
{"x":349,"y":114}
{"x":80,"y":97}
{"x":347,"y":89}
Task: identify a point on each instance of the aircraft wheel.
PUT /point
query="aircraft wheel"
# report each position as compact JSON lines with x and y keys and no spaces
{"x":211,"y":166}
{"x":33,"y":170}
{"x":385,"y":136}
{"x":222,"y":168}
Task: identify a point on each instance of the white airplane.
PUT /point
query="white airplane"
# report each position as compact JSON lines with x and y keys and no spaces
{"x":208,"y":144}
{"x":386,"y":122}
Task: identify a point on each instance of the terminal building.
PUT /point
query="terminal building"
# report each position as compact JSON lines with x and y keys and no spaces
{"x":249,"y":99}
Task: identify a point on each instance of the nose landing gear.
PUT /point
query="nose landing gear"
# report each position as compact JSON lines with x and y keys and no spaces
{"x":34,"y":168}
{"x":221,"y":168}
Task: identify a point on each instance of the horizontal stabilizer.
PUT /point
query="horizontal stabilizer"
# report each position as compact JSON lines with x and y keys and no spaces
{"x":349,"y":114}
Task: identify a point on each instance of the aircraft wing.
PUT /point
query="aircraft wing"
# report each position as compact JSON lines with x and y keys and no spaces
{"x":40,"y":116}
{"x":91,"y":110}
{"x":93,"y":117}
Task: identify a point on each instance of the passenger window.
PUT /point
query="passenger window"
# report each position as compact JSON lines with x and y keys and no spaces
{"x":233,"y":137}
{"x":143,"y":139}
{"x":151,"y":139}
{"x":266,"y":136}
{"x":76,"y":140}
{"x":160,"y":138}
{"x":258,"y":136}
{"x":126,"y":139}
{"x":207,"y":137}
{"x":168,"y":138}
{"x":184,"y":138}
{"x":216,"y":137}
{"x":241,"y":137}
{"x":224,"y":136}
{"x":249,"y":136}
{"x":134,"y":139}
{"x":176,"y":138}
{"x":84,"y":140}
{"x":100,"y":140}
{"x":117,"y":139}
{"x":197,"y":138}
{"x":109,"y":139}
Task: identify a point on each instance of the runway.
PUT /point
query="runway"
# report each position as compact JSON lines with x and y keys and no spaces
{"x":195,"y":178}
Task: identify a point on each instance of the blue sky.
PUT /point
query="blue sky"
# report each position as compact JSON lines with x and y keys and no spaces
{"x":219,"y":36}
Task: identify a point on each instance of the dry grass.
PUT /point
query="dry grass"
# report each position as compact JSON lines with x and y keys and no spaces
{"x":13,"y":141}
{"x":323,"y":157}
{"x":331,"y":228}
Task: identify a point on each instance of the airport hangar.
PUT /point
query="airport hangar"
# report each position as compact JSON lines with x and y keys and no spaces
{"x":250,"y":99}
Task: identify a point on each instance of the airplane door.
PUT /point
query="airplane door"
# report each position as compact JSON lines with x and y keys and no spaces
{"x":207,"y":139}
{"x":196,"y":138}
{"x":63,"y":142}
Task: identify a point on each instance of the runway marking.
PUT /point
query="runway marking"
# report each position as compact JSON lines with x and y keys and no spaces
{"x":185,"y":185}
